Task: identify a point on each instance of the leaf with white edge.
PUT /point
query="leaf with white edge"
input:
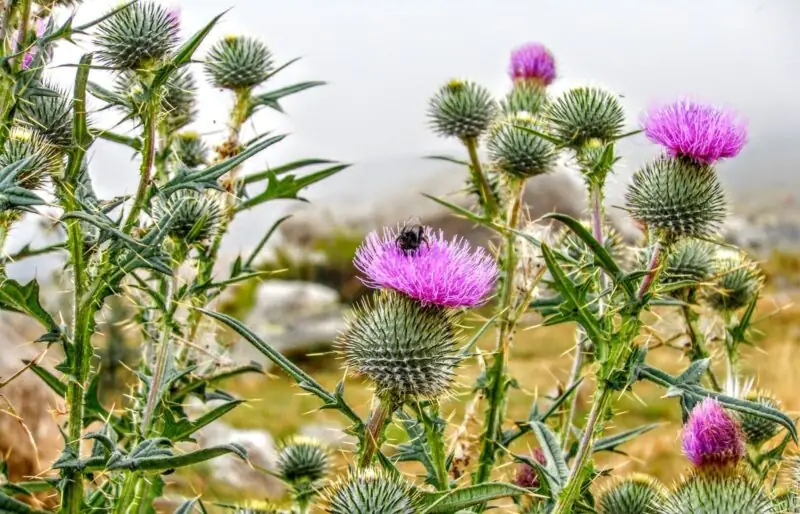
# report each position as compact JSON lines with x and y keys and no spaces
{"x":271,"y":98}
{"x":610,"y":443}
{"x":285,"y":168}
{"x":450,"y":502}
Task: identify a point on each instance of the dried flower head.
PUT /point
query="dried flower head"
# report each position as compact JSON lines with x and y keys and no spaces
{"x":737,"y":280}
{"x":238,"y":62}
{"x":371,"y":491}
{"x":461,"y":109}
{"x":137,"y":37}
{"x":676,"y":199}
{"x":406,"y":349}
{"x":717,"y":491}
{"x":585,"y":113}
{"x":527,"y":476}
{"x":700,"y":132}
{"x":634,"y":494}
{"x":302,"y":460}
{"x":712,"y":437}
{"x":438,"y":271}
{"x":519,"y":152}
{"x":532,"y":62}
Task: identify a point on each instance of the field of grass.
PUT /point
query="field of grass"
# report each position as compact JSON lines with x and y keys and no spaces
{"x":540,"y":359}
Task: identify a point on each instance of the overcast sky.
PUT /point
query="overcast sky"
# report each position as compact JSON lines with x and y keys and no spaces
{"x":383,"y":59}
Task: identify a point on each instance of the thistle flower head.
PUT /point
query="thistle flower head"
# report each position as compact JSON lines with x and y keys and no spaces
{"x":519,"y":152}
{"x":718,"y":490}
{"x":190,"y":149}
{"x":702,"y":133}
{"x":712,"y":437}
{"x":195,"y":216}
{"x":532,"y":62}
{"x":737,"y":280}
{"x":689,"y":260}
{"x":461,"y":109}
{"x":371,"y":491}
{"x":585,"y":113}
{"x":23,"y":143}
{"x":302,"y":460}
{"x":527,"y":476}
{"x":635,"y":494}
{"x":437,"y":271}
{"x":238,"y":62}
{"x":758,"y":430}
{"x":524,"y":97}
{"x":50,"y":116}
{"x":138,"y":36}
{"x":677,"y":199}
{"x":406,"y":349}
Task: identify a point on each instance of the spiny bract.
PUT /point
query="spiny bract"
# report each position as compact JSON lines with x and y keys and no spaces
{"x":195,"y":216}
{"x":585,"y":113}
{"x":636,"y":494}
{"x":50,"y":115}
{"x":719,"y":491}
{"x":27,"y":144}
{"x":690,"y":260}
{"x":516,"y":150}
{"x":408,"y":350}
{"x":737,"y":280}
{"x":138,"y":36}
{"x":758,"y":430}
{"x":190,"y":149}
{"x":676,"y":199}
{"x":371,"y":491}
{"x":461,"y":109}
{"x":238,"y":62}
{"x":302,"y":459}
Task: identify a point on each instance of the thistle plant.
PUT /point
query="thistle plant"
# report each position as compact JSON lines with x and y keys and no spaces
{"x":411,"y":340}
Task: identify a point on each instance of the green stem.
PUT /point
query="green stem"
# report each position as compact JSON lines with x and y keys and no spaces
{"x":145,"y":170}
{"x":435,"y":439}
{"x":497,"y":380}
{"x":479,"y":177}
{"x":373,"y":433}
{"x":697,"y":341}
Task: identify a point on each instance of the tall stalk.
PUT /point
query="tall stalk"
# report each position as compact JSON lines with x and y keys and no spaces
{"x":497,"y":379}
{"x":146,"y":168}
{"x":480,"y":179}
{"x":379,"y":418}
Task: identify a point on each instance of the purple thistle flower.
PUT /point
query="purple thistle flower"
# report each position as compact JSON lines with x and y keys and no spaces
{"x":532,"y":61}
{"x":527,"y":476}
{"x":711,"y":437}
{"x":174,"y":16}
{"x":438,"y":272}
{"x":701,"y":132}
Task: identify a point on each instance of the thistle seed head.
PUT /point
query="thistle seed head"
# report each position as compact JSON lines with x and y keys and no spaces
{"x":371,"y":491}
{"x":676,"y":199}
{"x":238,"y":63}
{"x":302,"y":460}
{"x":635,"y":494}
{"x":461,"y":109}
{"x":585,"y":113}
{"x":137,"y":37}
{"x":406,"y":349}
{"x":517,"y":151}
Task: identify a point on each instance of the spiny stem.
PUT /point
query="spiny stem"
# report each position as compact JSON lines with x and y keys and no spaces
{"x":480,"y":178}
{"x":373,"y":433}
{"x":436,"y":445}
{"x":696,"y":340}
{"x":145,"y":170}
{"x":497,"y":380}
{"x":574,"y":375}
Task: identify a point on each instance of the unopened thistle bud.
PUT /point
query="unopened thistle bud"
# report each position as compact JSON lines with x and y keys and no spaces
{"x":406,"y":349}
{"x":302,"y":460}
{"x":461,"y":109}
{"x":712,"y":437}
{"x":137,"y":37}
{"x":524,"y":97}
{"x":635,"y":494}
{"x":519,"y":152}
{"x":719,"y":490}
{"x":238,"y":63}
{"x":50,"y":116}
{"x":179,"y":99}
{"x":701,"y":133}
{"x":585,"y":113}
{"x":190,"y":149}
{"x":532,"y":63}
{"x":371,"y":491}
{"x":23,"y":143}
{"x":758,"y":430}
{"x":676,"y":199}
{"x":195,"y":216}
{"x":689,"y":260}
{"x":737,"y":280}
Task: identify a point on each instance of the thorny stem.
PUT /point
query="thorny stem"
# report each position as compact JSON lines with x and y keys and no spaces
{"x":480,"y":178}
{"x":145,"y":170}
{"x":497,"y":380}
{"x":436,"y":445}
{"x":697,"y":342}
{"x":603,"y":394}
{"x":382,"y":410}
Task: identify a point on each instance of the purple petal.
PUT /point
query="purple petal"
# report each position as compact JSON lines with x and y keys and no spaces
{"x":711,"y":437}
{"x":532,"y":61}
